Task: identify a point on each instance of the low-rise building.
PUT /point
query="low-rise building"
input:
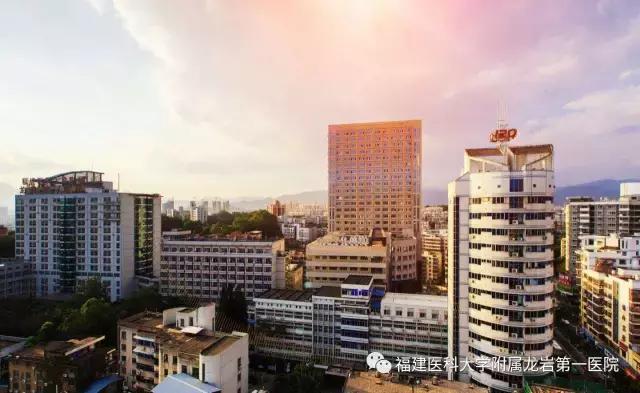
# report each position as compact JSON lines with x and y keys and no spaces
{"x":434,"y":217}
{"x":16,"y":278}
{"x":389,"y":258}
{"x":154,"y":346}
{"x":341,"y":325}
{"x":294,"y":276}
{"x":77,"y":364}
{"x":301,"y":232}
{"x":200,"y":267}
{"x":404,"y":262}
{"x":610,"y":293}
{"x":335,"y":256}
{"x":289,"y":231}
{"x":434,"y":254}
{"x":306,"y":234}
{"x":371,"y":382}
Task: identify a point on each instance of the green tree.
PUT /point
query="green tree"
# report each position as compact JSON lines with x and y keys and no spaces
{"x":233,"y":304}
{"x":304,"y":379}
{"x":48,"y":331}
{"x":170,"y":223}
{"x":8,"y":245}
{"x":92,"y":288}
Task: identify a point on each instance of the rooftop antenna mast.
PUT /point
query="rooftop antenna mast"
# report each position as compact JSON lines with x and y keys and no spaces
{"x":502,"y":122}
{"x":502,"y":134}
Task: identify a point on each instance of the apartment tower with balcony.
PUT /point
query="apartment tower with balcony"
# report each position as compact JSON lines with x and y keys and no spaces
{"x":500,"y":247}
{"x":74,"y":226}
{"x":583,"y":216}
{"x":610,"y":294}
{"x":374,"y":182}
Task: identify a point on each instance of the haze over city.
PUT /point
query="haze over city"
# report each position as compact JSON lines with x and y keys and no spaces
{"x":234,"y":99}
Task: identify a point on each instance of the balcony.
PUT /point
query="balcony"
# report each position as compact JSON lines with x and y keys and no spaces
{"x":486,"y":380}
{"x":487,"y":300}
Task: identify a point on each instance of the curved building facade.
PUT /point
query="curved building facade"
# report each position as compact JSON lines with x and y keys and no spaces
{"x":501,"y":220}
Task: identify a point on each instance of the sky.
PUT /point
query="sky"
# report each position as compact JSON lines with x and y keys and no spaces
{"x":233,"y":98}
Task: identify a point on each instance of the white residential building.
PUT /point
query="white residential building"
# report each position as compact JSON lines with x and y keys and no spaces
{"x":181,"y":341}
{"x":75,"y":226}
{"x":584,"y":216}
{"x":610,"y":293}
{"x":501,"y":220}
{"x":200,"y":213}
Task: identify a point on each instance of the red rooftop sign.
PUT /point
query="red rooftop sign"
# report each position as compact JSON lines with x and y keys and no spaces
{"x":503,"y":135}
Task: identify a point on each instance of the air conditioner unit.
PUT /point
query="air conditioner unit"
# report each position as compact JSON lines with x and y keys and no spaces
{"x":514,"y":335}
{"x":518,"y":286}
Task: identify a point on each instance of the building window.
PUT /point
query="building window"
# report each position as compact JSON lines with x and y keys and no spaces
{"x":516,"y":185}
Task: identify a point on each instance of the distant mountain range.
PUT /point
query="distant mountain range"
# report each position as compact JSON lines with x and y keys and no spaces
{"x":605,"y":188}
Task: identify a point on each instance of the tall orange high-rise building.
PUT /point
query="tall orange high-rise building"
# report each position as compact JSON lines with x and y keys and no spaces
{"x":375,"y":176}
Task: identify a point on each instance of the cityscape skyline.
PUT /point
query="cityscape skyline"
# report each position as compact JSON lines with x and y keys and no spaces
{"x":320,"y":196}
{"x":201,"y":122}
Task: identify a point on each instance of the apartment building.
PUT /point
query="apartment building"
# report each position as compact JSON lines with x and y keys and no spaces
{"x":75,"y":226}
{"x":501,"y":222}
{"x":341,"y":325}
{"x":610,"y":293}
{"x":182,"y":341}
{"x":16,"y":278}
{"x":301,"y":232}
{"x":434,"y":218}
{"x":434,"y":256}
{"x":78,"y":364}
{"x":276,"y":208}
{"x":199,"y":213}
{"x":200,"y":267}
{"x":584,"y":216}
